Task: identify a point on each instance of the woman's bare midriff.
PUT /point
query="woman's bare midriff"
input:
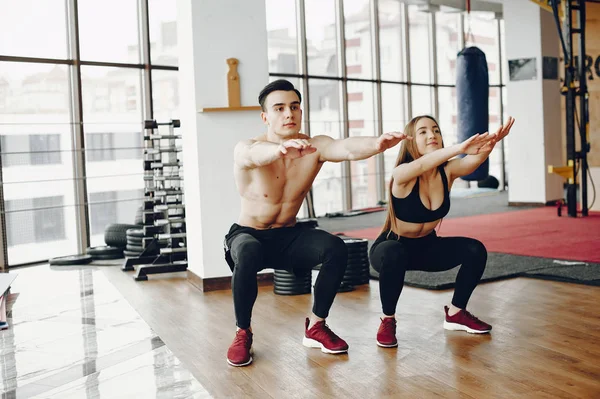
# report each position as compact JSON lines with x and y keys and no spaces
{"x":415,"y":230}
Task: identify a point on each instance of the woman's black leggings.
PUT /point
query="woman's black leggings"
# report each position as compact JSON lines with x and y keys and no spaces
{"x":392,"y":258}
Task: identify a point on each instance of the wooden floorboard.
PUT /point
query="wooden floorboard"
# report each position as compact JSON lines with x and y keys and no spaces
{"x":545,"y":342}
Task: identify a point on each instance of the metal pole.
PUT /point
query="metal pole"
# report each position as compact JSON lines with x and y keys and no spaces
{"x":303,"y":69}
{"x":433,"y":59}
{"x":500,"y":62}
{"x":570,"y":108}
{"x":583,"y":109}
{"x":346,"y":169}
{"x":144,"y":32}
{"x":78,"y":135}
{"x":404,"y":28}
{"x":378,"y":112}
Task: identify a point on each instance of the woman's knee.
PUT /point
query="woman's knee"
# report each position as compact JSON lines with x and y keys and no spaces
{"x":475,"y":249}
{"x":387,"y":255}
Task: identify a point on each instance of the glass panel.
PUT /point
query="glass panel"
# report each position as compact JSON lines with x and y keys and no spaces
{"x":357,"y":32}
{"x":324,"y":107}
{"x":111,"y":95}
{"x":162,"y":17}
{"x":32,"y":28}
{"x":482,"y":32}
{"x":448,"y":117}
{"x":165,"y":95}
{"x":112,"y":114}
{"x":281,"y":31}
{"x":37,"y":161}
{"x":361,"y":122}
{"x":108,"y":207}
{"x":447,"y":26}
{"x":390,"y":40}
{"x":28,"y":89}
{"x":392,"y":107}
{"x":118,"y":43}
{"x":420,"y":42}
{"x":321,"y":37}
{"x":421,"y":100}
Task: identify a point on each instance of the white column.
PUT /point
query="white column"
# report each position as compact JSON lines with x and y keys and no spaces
{"x":209,"y":32}
{"x":535,"y":140}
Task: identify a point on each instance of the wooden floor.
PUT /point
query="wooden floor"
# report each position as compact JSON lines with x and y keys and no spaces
{"x":545,"y":342}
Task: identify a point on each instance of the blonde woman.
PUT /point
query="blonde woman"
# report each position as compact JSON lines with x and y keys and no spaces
{"x":419,"y":199}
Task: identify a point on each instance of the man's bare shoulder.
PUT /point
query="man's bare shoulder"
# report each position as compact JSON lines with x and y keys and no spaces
{"x":321,"y":140}
{"x":250,"y":141}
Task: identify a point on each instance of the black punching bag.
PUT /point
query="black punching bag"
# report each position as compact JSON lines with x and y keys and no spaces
{"x":472,"y":94}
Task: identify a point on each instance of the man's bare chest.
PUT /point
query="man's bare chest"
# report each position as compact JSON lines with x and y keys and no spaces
{"x":285,"y":180}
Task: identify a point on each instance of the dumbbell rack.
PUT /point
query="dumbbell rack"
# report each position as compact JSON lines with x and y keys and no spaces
{"x":164,"y":241}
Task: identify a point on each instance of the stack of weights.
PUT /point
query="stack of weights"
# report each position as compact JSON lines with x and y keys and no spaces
{"x":357,"y":271}
{"x":288,"y":283}
{"x":137,"y":243}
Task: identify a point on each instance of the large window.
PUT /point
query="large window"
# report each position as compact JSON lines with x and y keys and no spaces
{"x":35,"y":28}
{"x":52,"y":150}
{"x":36,"y":220}
{"x":357,"y":87}
{"x":108,"y":207}
{"x":33,"y":149}
{"x":325,"y":118}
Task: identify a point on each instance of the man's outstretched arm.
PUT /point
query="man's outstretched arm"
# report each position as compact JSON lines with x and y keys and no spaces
{"x":250,"y":154}
{"x":355,"y":148}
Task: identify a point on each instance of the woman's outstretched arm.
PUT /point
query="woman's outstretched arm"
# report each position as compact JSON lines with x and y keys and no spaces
{"x":477,"y":155}
{"x":405,"y":172}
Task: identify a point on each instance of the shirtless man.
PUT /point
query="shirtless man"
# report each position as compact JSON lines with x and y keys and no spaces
{"x":273,"y":173}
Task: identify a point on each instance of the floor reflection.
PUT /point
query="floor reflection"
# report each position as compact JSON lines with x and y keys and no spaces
{"x":73,"y":335}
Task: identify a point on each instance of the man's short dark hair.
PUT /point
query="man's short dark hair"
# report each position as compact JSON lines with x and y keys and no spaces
{"x":280,"y":84}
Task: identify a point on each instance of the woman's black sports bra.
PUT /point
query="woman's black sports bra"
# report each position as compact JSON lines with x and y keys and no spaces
{"x":411,"y":209}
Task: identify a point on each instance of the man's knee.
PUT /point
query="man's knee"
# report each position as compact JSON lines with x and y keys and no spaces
{"x":247,"y":254}
{"x":336,"y":248}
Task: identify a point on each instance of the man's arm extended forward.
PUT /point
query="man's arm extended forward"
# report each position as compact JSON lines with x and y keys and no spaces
{"x":250,"y":154}
{"x":355,"y":148}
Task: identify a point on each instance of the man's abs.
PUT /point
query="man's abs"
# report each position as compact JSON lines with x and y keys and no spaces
{"x":263,"y":215}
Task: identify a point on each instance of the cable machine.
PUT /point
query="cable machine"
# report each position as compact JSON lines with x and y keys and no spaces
{"x":573,"y":15}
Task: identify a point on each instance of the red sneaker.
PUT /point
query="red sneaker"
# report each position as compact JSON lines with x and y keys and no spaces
{"x":240,"y":351}
{"x":386,"y":335}
{"x":465,"y":321}
{"x":320,"y":336}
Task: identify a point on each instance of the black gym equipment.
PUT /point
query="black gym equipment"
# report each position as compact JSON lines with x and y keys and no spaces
{"x":71,"y":260}
{"x":153,"y":124}
{"x":575,"y":72}
{"x":489,"y":182}
{"x":289,"y":283}
{"x":357,"y":270}
{"x":115,"y":234}
{"x":472,"y":94}
{"x":159,"y":245}
{"x":105,"y":252}
{"x":295,"y":282}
